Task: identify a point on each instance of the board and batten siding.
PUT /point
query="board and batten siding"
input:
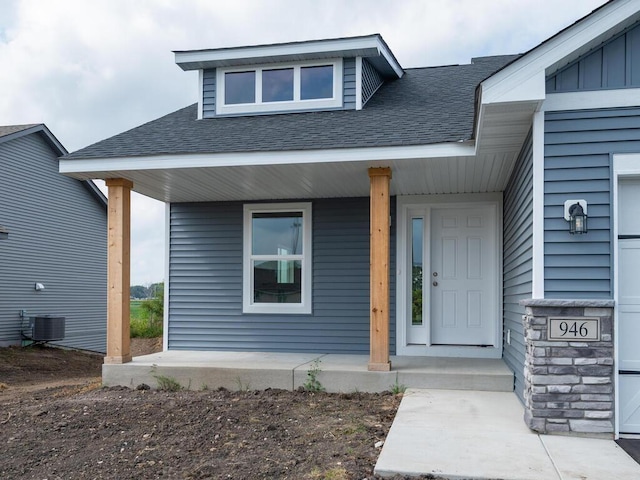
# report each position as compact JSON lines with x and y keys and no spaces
{"x":518,"y":260}
{"x":578,"y":154}
{"x":205,"y":271}
{"x":615,"y":64}
{"x":57,"y":237}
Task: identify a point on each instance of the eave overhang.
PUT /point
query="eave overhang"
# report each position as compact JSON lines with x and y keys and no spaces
{"x":507,"y":100}
{"x":372,"y":47}
{"x":329,"y":173}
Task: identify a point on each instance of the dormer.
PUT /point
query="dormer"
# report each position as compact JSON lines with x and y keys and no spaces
{"x":336,"y":74}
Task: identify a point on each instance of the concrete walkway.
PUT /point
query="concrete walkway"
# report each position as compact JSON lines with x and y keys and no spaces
{"x":481,"y":435}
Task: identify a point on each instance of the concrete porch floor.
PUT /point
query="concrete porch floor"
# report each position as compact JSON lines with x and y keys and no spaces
{"x":338,"y":373}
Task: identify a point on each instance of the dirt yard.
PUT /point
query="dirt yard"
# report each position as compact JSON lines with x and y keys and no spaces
{"x":57,"y":422}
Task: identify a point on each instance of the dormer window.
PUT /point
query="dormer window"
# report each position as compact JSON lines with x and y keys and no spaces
{"x":301,"y":86}
{"x":332,"y":74}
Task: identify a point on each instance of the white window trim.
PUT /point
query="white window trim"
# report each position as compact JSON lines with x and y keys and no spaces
{"x":295,"y":104}
{"x":248,"y":306}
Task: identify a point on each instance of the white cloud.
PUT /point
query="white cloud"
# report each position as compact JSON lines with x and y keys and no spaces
{"x":92,"y":69}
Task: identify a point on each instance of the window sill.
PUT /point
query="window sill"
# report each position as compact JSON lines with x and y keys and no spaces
{"x":278,"y":309}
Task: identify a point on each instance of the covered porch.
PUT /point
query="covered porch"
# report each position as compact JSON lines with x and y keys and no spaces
{"x":441,"y":171}
{"x":198,"y":370}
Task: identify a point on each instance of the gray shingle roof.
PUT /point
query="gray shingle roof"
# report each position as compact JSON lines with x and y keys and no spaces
{"x":9,"y":129}
{"x":426,"y":106}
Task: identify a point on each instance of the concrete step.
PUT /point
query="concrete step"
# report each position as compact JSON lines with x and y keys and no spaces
{"x":336,"y":373}
{"x":349,"y":373}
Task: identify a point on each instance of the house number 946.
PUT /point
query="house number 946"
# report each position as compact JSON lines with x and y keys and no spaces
{"x":583,"y":329}
{"x":572,"y":329}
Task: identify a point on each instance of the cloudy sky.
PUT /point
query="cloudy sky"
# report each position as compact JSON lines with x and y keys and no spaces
{"x":92,"y":69}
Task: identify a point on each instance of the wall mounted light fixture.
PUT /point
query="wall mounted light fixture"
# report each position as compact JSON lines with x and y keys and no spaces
{"x":575,"y":212}
{"x":38,"y":287}
{"x":4,"y":233}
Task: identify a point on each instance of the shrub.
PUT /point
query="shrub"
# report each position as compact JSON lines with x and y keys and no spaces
{"x":147,"y":315}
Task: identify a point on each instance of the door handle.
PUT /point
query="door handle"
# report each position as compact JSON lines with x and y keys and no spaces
{"x":435,"y":284}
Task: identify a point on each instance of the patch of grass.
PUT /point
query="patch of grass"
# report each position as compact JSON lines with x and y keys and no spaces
{"x":352,"y":429}
{"x":313,"y":384}
{"x":242,"y":387}
{"x":398,"y":388}
{"x":167,"y":384}
{"x":336,"y":473}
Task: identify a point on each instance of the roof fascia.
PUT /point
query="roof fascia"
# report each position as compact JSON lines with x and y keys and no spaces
{"x":42,"y":129}
{"x":524,"y":79}
{"x":371,"y":45}
{"x":87,"y":168}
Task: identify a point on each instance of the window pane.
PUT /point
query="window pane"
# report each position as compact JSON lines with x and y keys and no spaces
{"x":277,"y":281}
{"x":277,"y":85}
{"x":239,"y":87}
{"x":316,"y":82}
{"x":416,"y":271}
{"x":277,"y":233}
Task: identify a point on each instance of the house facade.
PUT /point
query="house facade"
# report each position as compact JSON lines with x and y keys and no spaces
{"x":321,"y":198}
{"x":53,"y":249}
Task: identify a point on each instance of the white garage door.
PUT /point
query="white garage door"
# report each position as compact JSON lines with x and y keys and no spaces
{"x":629,"y":304}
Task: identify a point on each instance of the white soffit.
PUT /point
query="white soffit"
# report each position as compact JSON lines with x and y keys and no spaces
{"x":442,"y":175}
{"x":524,"y":80}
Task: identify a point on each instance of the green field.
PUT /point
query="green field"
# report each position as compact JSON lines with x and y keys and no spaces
{"x":141,"y":325}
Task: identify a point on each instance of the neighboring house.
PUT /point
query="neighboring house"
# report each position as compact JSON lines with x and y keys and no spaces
{"x":281,"y":181}
{"x":56,"y":230}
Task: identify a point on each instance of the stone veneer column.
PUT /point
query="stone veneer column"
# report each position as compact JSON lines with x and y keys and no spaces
{"x":568,"y":384}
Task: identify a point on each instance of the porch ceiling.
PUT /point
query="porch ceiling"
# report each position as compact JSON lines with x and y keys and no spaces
{"x":488,"y":172}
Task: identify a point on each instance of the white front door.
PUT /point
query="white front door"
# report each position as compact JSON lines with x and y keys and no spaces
{"x":450,"y":286}
{"x":629,"y":305}
{"x":463,"y":276}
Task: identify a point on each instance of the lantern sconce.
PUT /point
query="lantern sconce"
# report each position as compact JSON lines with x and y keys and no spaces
{"x":575,"y":212}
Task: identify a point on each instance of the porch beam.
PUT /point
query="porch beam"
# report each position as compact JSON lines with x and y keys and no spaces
{"x":118,"y":270}
{"x":379,"y":245}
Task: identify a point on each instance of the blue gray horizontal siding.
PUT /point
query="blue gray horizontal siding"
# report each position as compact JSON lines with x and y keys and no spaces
{"x":517,"y":260}
{"x":615,"y":64}
{"x":209,"y":93}
{"x":205,"y":270}
{"x":58,"y":237}
{"x":578,"y":151}
{"x":349,"y":84}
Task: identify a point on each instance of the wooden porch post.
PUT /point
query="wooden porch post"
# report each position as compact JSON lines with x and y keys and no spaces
{"x":379,"y":269}
{"x":118,"y":270}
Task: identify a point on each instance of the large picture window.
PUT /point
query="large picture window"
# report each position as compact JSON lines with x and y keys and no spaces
{"x":277,"y":258}
{"x":279,"y":87}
